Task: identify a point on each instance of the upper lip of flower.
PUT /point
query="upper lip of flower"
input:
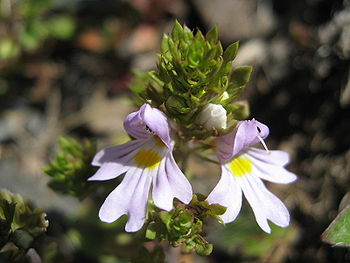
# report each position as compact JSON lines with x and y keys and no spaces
{"x":246,"y":133}
{"x":148,"y":121}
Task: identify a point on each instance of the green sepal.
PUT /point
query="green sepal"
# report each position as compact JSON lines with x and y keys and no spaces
{"x":165,"y":217}
{"x":203,"y":248}
{"x":200,"y":204}
{"x":216,"y":209}
{"x":151,"y":231}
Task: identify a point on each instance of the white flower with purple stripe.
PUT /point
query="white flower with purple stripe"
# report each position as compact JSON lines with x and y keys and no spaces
{"x":146,"y":160}
{"x":243,"y":167}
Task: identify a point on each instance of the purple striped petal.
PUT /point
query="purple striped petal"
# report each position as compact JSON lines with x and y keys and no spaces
{"x":130,"y":198}
{"x":114,"y":160}
{"x":265,"y":205}
{"x":170,"y":182}
{"x":135,"y":125}
{"x":180,"y":185}
{"x":162,"y":193}
{"x":113,"y":153}
{"x":270,"y":165}
{"x":109,"y":171}
{"x":227,"y":193}
{"x":157,"y":122}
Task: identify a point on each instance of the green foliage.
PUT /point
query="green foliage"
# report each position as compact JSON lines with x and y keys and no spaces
{"x":193,"y":70}
{"x":338,"y":232}
{"x":33,"y":26}
{"x":61,"y":27}
{"x":243,"y":236}
{"x":88,"y":237}
{"x":72,"y":167}
{"x":20,"y":225}
{"x":145,"y":256}
{"x":183,"y":225}
{"x":8,"y":48}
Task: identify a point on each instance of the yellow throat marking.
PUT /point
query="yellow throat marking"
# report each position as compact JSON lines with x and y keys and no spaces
{"x":240,"y":166}
{"x":147,"y":159}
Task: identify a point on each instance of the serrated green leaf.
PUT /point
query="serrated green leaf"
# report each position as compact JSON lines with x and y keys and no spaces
{"x":240,"y":76}
{"x":188,"y":35}
{"x":177,"y":32}
{"x":212,"y":35}
{"x":338,"y":232}
{"x":164,"y":44}
{"x":231,"y":51}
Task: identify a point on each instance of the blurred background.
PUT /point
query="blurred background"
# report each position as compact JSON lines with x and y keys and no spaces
{"x":65,"y":67}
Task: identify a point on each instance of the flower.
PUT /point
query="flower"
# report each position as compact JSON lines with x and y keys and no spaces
{"x":213,"y":116}
{"x":243,"y":167}
{"x":146,"y":160}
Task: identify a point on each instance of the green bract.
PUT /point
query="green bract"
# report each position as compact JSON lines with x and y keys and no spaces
{"x":20,"y":225}
{"x":184,"y":224}
{"x":193,"y":70}
{"x":71,"y":169}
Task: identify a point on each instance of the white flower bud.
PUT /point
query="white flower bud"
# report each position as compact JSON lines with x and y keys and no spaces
{"x":213,"y":116}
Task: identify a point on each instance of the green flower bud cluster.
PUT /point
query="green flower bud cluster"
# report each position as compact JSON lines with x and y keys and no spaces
{"x":193,"y":71}
{"x":71,"y":168}
{"x":184,"y":224}
{"x":20,"y":225}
